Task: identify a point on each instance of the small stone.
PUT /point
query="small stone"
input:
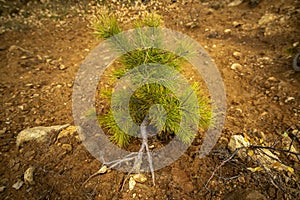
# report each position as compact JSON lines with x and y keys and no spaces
{"x":18,"y":185}
{"x":62,"y":67}
{"x":238,"y":141}
{"x":28,"y":176}
{"x":236,"y":66}
{"x":38,"y":121}
{"x":289,"y":99}
{"x":69,"y":131}
{"x":272,"y":79}
{"x":237,"y":55}
{"x":40,"y":58}
{"x":103,"y":170}
{"x":67,"y":147}
{"x":236,"y":24}
{"x":39,"y":134}
{"x":235,"y":3}
{"x":132,"y":183}
{"x":192,"y":24}
{"x":295,"y":44}
{"x":140,"y":178}
{"x":226,"y":31}
{"x":241,"y":179}
{"x":24,"y":57}
{"x":2,"y":188}
{"x":266,"y":19}
{"x":29,"y":85}
{"x":23,"y":107}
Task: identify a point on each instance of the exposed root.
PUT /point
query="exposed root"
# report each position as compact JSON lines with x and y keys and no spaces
{"x":137,"y":157}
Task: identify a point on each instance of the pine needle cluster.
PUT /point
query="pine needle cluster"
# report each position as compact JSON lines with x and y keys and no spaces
{"x":169,"y":116}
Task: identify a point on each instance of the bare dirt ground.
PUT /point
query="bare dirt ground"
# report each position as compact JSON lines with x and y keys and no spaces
{"x":43,"y":43}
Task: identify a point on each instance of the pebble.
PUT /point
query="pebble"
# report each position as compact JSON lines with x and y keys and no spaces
{"x":237,"y":55}
{"x":132,"y":183}
{"x":241,"y":179}
{"x":67,"y":147}
{"x":289,"y":99}
{"x":266,"y":19}
{"x":28,"y":176}
{"x":39,"y":134}
{"x":192,"y":24}
{"x":235,"y":3}
{"x":236,"y":24}
{"x":62,"y":67}
{"x":238,"y":141}
{"x":2,"y":188}
{"x":70,"y":131}
{"x":29,"y":85}
{"x":103,"y":169}
{"x":140,"y":178}
{"x":18,"y":185}
{"x":23,"y":107}
{"x":227,"y":31}
{"x":236,"y":66}
{"x":272,"y":79}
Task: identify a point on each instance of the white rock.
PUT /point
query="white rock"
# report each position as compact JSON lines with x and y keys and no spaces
{"x":227,"y":31}
{"x":272,"y":79}
{"x":103,"y":170}
{"x":237,"y":141}
{"x":289,"y":99}
{"x":28,"y":176}
{"x":236,"y":66}
{"x":237,"y":55}
{"x":140,"y":178}
{"x":62,"y":67}
{"x":295,"y":44}
{"x":39,"y":134}
{"x":235,"y":3}
{"x":18,"y":185}
{"x":69,"y":131}
{"x":132,"y":183}
{"x":236,"y":24}
{"x":267,"y":18}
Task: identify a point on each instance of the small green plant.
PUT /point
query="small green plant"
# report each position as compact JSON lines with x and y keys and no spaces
{"x":151,"y":93}
{"x":106,"y":26}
